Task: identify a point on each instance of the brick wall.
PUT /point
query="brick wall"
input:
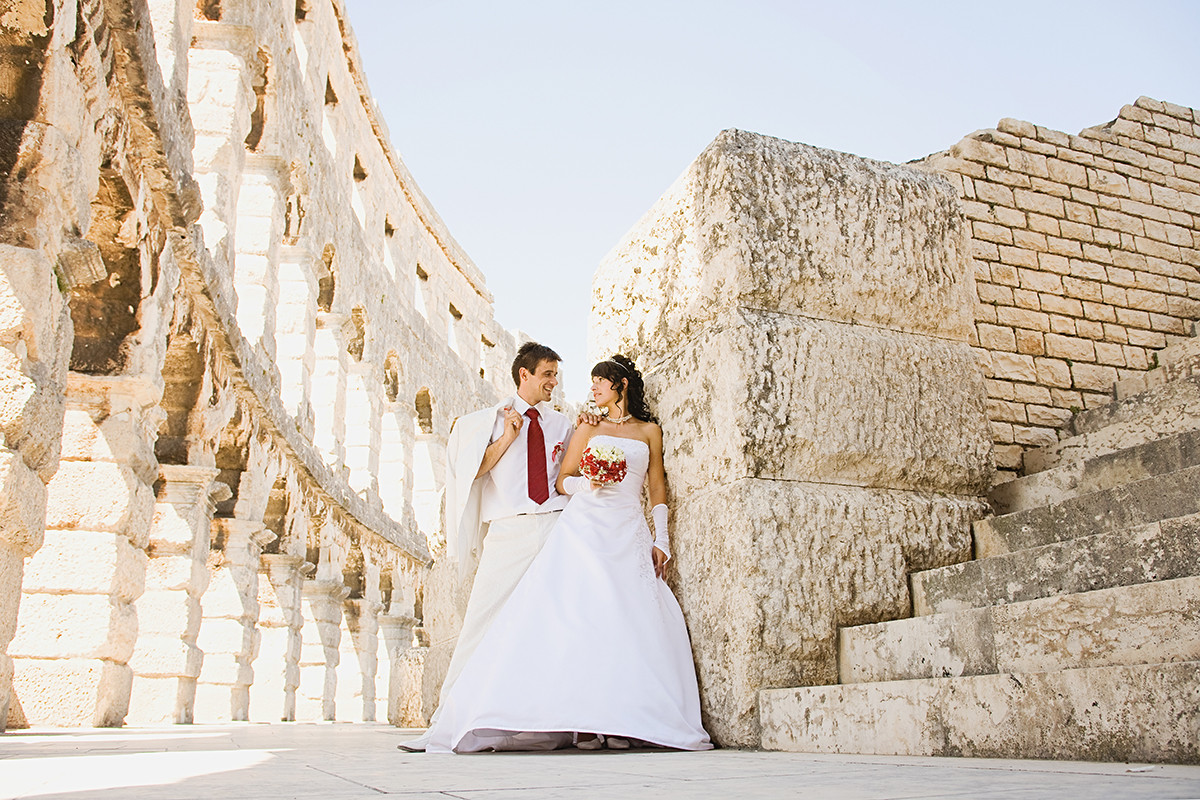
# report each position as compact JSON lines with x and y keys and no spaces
{"x":1087,"y":259}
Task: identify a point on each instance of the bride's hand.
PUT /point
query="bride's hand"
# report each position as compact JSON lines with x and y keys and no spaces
{"x":597,"y":486}
{"x":660,"y":562}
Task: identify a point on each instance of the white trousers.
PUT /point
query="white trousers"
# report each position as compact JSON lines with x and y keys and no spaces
{"x":509,"y":548}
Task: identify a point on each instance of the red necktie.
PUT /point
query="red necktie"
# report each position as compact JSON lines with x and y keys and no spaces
{"x":539,"y":487}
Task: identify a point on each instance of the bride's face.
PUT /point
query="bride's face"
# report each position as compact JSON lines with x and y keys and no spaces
{"x":603,"y":392}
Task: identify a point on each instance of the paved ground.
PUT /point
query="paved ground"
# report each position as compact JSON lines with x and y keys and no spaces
{"x":349,"y":762}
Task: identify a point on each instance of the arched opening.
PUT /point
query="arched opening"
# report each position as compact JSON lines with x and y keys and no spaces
{"x":327,"y":283}
{"x":104,"y":313}
{"x":424,"y":411}
{"x":391,"y":376}
{"x":357,"y":338}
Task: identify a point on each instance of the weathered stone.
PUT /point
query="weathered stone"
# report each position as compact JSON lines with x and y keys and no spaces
{"x":1125,"y":625}
{"x":1126,"y":713}
{"x":761,"y":223}
{"x":1158,"y":551}
{"x":89,"y":562}
{"x":911,"y":417}
{"x":763,"y":605}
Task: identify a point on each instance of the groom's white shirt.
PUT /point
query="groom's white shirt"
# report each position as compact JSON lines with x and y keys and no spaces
{"x":503,"y":492}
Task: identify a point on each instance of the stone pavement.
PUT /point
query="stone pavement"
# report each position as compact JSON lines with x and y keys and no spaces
{"x":352,"y":761}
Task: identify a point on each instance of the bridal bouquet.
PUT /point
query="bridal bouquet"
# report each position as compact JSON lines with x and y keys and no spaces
{"x":603,"y":464}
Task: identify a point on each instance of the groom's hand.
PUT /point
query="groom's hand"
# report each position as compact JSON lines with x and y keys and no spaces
{"x":512,"y":423}
{"x":586,"y":418}
{"x":660,"y":562}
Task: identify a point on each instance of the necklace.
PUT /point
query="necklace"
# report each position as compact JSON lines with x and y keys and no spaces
{"x":619,"y":420}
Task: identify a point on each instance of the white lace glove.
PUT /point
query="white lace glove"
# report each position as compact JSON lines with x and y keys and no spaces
{"x":661,"y":541}
{"x":575,"y":483}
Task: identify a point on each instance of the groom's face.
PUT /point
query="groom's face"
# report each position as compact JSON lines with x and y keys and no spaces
{"x":540,"y":383}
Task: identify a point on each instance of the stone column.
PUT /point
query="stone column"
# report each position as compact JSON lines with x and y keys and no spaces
{"x":229,"y":627}
{"x":259,"y":229}
{"x":802,"y":319}
{"x":359,"y":663}
{"x":166,"y":661}
{"x":295,"y":331}
{"x":320,"y":652}
{"x":396,"y":637}
{"x":78,"y":623}
{"x":273,"y":695}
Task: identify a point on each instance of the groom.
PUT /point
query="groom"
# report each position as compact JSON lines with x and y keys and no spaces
{"x":502,"y":464}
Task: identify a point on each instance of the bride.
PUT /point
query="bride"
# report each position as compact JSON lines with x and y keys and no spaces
{"x":591,"y":646}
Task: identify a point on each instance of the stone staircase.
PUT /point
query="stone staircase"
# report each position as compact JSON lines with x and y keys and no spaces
{"x":1075,"y":632}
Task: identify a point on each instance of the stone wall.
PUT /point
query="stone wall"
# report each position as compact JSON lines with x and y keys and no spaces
{"x":234,"y":337}
{"x":1086,"y":252}
{"x":802,"y":319}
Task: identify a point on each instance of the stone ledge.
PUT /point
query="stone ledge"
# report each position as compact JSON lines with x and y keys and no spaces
{"x":1155,"y":552}
{"x":1139,"y":713}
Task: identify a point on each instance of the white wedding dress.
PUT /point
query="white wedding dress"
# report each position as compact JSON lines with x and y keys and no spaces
{"x":590,"y":640}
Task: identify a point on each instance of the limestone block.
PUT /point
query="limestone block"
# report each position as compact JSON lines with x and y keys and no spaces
{"x":98,"y":496}
{"x":840,"y":403}
{"x":31,"y":414}
{"x":88,"y":562}
{"x":165,"y":656}
{"x":406,"y":701}
{"x":72,"y":692}
{"x":22,"y":504}
{"x":12,"y":565}
{"x":168,"y":613}
{"x":11,"y":715}
{"x":225,"y":597}
{"x":176,"y":573}
{"x":75,"y":626}
{"x":767,"y":570}
{"x":763,"y":223}
{"x":219,"y":635}
{"x":161,"y":700}
{"x":1126,"y":713}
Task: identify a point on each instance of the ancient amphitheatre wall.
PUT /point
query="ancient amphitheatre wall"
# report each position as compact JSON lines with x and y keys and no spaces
{"x":235,"y":335}
{"x":1086,"y":252}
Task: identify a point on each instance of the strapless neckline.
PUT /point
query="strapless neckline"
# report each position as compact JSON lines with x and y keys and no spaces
{"x":619,"y":439}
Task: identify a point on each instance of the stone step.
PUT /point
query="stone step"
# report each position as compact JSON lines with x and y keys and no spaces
{"x":1171,"y":408}
{"x":1160,"y":551}
{"x":1173,"y":494}
{"x":1158,"y":457}
{"x":1179,"y":360}
{"x":1144,"y":623}
{"x":1124,"y":713}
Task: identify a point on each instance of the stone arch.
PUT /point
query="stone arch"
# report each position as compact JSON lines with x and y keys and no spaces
{"x":391,"y":376}
{"x":104,"y":313}
{"x":424,"y":403}
{"x":260,"y":69}
{"x":327,"y":283}
{"x":183,"y":376}
{"x":356,"y":340}
{"x":209,"y":10}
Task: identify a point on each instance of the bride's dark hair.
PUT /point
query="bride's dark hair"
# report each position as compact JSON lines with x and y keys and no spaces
{"x":618,"y":369}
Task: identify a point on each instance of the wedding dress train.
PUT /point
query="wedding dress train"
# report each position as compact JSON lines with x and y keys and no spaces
{"x":590,"y":640}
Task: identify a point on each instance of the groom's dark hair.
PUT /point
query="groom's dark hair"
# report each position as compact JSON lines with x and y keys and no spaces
{"x":528,"y":357}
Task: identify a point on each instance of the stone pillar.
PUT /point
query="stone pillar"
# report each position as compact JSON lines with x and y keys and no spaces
{"x":78,"y":623}
{"x":359,"y":660}
{"x":294,"y":333}
{"x":220,"y":98}
{"x":273,"y":695}
{"x":328,"y":399}
{"x":396,"y":636}
{"x":229,"y":628}
{"x":259,"y":229}
{"x":802,"y":319}
{"x":166,"y":661}
{"x":34,"y":346}
{"x":320,"y":651}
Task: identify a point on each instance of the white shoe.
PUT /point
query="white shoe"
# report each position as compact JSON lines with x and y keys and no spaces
{"x":616,"y":743}
{"x":595,"y":743}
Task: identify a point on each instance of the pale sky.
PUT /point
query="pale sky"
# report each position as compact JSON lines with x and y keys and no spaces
{"x":541,"y":131}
